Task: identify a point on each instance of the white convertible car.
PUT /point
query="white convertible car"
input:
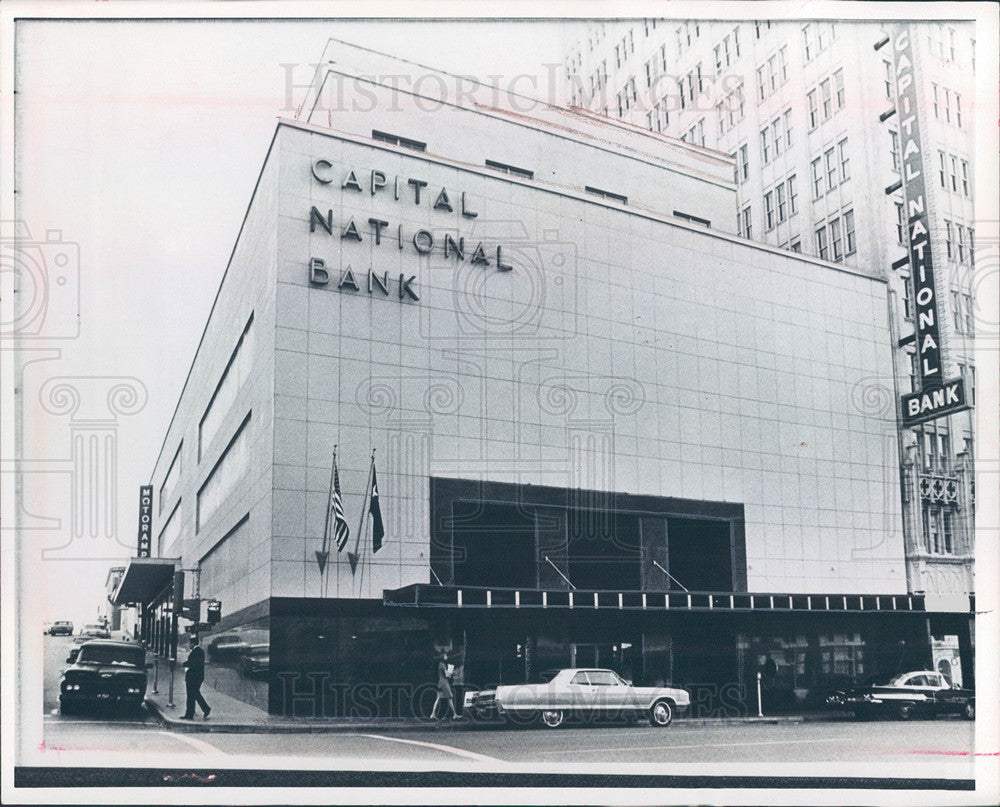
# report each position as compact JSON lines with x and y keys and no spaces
{"x":581,"y":694}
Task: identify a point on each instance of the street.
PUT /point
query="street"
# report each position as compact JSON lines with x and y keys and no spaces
{"x":920,"y":748}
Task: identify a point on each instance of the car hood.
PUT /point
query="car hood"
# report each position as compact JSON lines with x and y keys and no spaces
{"x":104,"y":671}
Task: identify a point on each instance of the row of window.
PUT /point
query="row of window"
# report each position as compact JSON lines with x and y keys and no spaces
{"x":835,"y":240}
{"x":817,"y":37}
{"x":776,"y":136}
{"x":963,"y":314}
{"x":772,"y":73}
{"x":730,"y":110}
{"x":943,"y":109}
{"x":781,"y":202}
{"x":228,"y":472}
{"x":825,"y":97}
{"x":955,"y":244}
{"x":696,"y":134}
{"x":689,"y":31}
{"x":727,"y":51}
{"x":939,"y":529}
{"x":949,"y":176}
{"x":831,"y":170}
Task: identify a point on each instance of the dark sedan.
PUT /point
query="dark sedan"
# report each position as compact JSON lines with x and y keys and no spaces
{"x":910,"y":694}
{"x":104,"y":672}
{"x":257,"y":660}
{"x":61,"y":628}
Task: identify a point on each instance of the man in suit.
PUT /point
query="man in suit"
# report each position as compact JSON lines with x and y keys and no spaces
{"x":194,"y":676}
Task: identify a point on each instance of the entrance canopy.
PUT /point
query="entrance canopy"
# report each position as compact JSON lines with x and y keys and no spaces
{"x":144,"y":578}
{"x":422,"y":595}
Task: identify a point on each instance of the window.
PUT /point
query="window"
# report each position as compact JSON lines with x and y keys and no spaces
{"x":813,"y":109}
{"x":746,"y":223}
{"x":787,"y":122}
{"x":170,"y":480}
{"x":894,"y":149}
{"x":226,"y":475}
{"x":835,"y":241}
{"x":607,"y":194}
{"x":958,"y":316}
{"x":947,"y":106}
{"x":824,"y":88}
{"x":693,"y":219}
{"x":888,"y":79}
{"x":776,"y":136}
{"x":838,"y":86}
{"x":831,"y":169}
{"x":745,"y":161}
{"x":769,"y":209}
{"x":913,"y":370}
{"x":792,"y":196}
{"x":954,"y":173}
{"x":701,"y":132}
{"x":941,"y":168}
{"x":796,"y":245}
{"x":171,"y":531}
{"x":817,"y":175}
{"x":961,"y":243}
{"x":807,"y":42}
{"x":970,"y":323}
{"x":821,"y":245}
{"x":972,"y":247}
{"x":845,"y":161}
{"x":765,"y":147}
{"x":849,"y":232}
{"x":958,"y":110}
{"x":233,"y":378}
{"x":900,"y":224}
{"x":510,"y":169}
{"x":965,"y":178}
{"x":948,"y":238}
{"x":782,"y":203}
{"x":938,"y":529}
{"x":396,"y":140}
{"x":697,"y":71}
{"x":936,"y":113}
{"x":908,"y":314}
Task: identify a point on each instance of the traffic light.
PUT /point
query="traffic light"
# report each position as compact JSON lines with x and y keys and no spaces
{"x":213,"y":611}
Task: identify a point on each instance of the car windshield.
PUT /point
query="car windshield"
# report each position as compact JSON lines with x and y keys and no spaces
{"x":112,"y":656}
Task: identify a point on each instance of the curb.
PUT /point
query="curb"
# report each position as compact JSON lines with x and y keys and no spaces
{"x":335,"y":725}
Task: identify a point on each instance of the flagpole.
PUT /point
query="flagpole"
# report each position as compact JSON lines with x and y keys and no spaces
{"x":361,"y":522}
{"x":326,"y":525}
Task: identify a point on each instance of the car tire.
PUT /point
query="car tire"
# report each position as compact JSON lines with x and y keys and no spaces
{"x":905,"y":711}
{"x":969,"y":710}
{"x":661,"y":713}
{"x":553,"y":718}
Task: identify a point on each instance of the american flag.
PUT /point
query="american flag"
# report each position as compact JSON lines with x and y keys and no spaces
{"x":340,"y":528}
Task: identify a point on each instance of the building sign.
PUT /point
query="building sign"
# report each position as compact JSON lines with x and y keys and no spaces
{"x":931,"y":403}
{"x":405,"y":190}
{"x":936,"y":397}
{"x":145,"y":521}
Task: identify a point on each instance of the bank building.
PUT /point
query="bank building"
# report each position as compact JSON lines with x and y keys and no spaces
{"x":607,"y":429}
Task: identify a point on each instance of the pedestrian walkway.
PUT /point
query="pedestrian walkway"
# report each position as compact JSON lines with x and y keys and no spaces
{"x":230,"y":715}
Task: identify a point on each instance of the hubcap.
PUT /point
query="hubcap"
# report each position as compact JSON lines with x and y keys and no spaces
{"x":552,"y":718}
{"x":661,"y":713}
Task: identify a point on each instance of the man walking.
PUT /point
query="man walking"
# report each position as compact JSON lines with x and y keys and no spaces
{"x":194,"y":676}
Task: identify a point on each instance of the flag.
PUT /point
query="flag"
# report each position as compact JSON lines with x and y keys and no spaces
{"x":340,"y":529}
{"x":378,"y":528}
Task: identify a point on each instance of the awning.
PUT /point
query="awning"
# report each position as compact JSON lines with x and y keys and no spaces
{"x":144,"y":578}
{"x":424,"y":595}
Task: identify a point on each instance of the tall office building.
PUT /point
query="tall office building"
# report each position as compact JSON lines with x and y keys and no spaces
{"x":808,"y":112}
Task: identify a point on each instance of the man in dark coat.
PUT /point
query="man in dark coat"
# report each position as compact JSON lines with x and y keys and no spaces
{"x":194,"y":676}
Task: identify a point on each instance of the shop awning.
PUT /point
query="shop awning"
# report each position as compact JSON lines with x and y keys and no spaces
{"x":423,"y":595}
{"x":144,"y":578}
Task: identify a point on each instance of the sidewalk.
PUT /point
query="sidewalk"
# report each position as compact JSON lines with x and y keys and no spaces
{"x":232,"y":716}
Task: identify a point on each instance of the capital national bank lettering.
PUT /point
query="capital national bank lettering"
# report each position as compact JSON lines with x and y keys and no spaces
{"x":405,"y":190}
{"x":936,"y":396}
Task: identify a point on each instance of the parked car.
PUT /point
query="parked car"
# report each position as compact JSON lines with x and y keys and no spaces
{"x":256,"y":661}
{"x":910,"y":694}
{"x":586,"y":694}
{"x":61,"y":628}
{"x":104,"y":672}
{"x":227,"y":647}
{"x":92,"y":632}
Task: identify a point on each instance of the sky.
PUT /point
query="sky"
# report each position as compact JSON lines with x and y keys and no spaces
{"x":137,"y":147}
